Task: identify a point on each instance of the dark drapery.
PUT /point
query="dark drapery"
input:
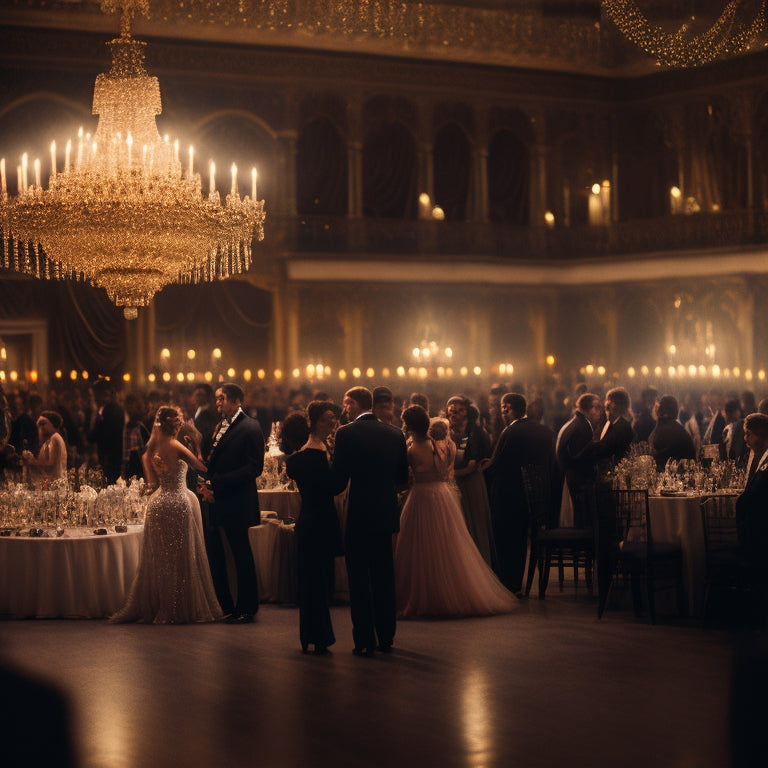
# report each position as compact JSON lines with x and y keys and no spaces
{"x":321,"y":170}
{"x":86,"y":332}
{"x":509,"y":179}
{"x":452,"y":171}
{"x":231,"y":315}
{"x":389,"y":173}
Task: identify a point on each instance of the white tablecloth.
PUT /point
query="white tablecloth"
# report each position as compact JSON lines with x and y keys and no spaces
{"x":678,"y":519}
{"x":274,"y":551}
{"x":78,"y":575}
{"x":283,"y":503}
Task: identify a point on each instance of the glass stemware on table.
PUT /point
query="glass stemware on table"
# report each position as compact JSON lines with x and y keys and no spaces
{"x":679,"y":477}
{"x":71,"y":506}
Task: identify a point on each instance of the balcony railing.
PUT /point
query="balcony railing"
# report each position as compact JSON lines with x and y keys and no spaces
{"x":356,"y":238}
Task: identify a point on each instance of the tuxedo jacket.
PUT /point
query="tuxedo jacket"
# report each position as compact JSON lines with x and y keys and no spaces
{"x":522,"y":443}
{"x":372,"y":456}
{"x":612,"y":447}
{"x":574,"y":437}
{"x":233,"y":466}
{"x":206,"y":422}
{"x":752,"y":518}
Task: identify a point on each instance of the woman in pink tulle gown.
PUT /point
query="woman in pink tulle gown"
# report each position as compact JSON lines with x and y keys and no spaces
{"x":438,"y":569}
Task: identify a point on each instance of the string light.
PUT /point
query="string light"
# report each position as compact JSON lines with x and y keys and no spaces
{"x":729,"y":35}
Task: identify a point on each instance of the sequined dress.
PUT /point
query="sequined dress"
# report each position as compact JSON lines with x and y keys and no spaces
{"x":173,"y":584}
{"x":438,"y":569}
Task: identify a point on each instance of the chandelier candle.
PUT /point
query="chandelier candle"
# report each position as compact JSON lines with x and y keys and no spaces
{"x":128,"y":224}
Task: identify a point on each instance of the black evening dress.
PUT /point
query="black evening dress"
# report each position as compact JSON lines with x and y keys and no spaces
{"x":318,"y":541}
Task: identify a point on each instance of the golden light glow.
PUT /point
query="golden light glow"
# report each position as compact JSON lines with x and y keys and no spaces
{"x":128,"y":221}
{"x":216,"y":354}
{"x":166,"y":376}
{"x":165,"y":353}
{"x":729,"y":35}
{"x":231,"y":373}
{"x":370,"y":373}
{"x":191,"y":354}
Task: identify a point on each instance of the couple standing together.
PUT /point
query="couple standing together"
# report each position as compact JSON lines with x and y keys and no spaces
{"x":436,"y":569}
{"x":174,"y":584}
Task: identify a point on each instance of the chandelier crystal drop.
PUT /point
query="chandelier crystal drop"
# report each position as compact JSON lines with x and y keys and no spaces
{"x":122,"y":214}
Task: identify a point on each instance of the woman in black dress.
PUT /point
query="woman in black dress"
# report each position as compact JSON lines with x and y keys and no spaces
{"x":318,"y":533}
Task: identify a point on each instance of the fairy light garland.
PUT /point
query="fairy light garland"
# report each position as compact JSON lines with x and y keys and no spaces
{"x":728,"y":35}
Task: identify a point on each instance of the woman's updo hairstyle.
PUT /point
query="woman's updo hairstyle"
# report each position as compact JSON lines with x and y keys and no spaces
{"x":438,"y":428}
{"x":168,"y":419}
{"x":416,"y":420}
{"x":316,"y":409}
{"x":54,"y":418}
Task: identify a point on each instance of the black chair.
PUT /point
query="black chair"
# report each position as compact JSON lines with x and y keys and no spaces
{"x":626,"y":551}
{"x":726,"y":571}
{"x":568,"y":546}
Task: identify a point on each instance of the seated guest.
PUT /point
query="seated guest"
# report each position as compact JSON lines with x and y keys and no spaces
{"x":669,"y":439}
{"x":51,"y":462}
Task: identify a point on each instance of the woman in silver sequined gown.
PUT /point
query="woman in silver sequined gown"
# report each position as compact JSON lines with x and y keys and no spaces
{"x":173,"y":584}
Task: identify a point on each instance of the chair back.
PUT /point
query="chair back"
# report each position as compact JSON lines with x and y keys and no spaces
{"x":721,"y":541}
{"x":538,"y":495}
{"x":633,"y":523}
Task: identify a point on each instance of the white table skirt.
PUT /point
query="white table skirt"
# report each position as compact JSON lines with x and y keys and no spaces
{"x":283,"y":503}
{"x":72,"y":576}
{"x":274,"y":551}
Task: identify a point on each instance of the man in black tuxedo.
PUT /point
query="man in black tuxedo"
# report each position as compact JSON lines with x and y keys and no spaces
{"x":617,"y":434}
{"x":523,"y":441}
{"x":372,"y":457}
{"x":235,"y":461}
{"x":579,"y":475}
{"x":107,"y":431}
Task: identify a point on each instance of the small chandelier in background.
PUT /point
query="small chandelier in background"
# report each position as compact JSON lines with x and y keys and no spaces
{"x":730,"y":35}
{"x":122,"y":214}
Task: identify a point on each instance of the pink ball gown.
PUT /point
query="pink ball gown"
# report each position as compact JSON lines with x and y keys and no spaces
{"x":438,"y":569}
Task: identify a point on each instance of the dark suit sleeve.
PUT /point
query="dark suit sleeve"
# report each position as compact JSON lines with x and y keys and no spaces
{"x":615,"y":443}
{"x":251,"y":443}
{"x":340,"y":466}
{"x":496,"y":462}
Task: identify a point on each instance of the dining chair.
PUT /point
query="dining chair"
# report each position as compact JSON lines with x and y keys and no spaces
{"x":725,"y":568}
{"x":626,"y":551}
{"x":572,"y":547}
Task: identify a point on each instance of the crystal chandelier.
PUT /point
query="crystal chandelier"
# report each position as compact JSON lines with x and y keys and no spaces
{"x":122,"y":214}
{"x":735,"y":31}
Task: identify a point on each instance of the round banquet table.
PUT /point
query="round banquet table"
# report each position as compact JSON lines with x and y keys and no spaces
{"x":285,"y":504}
{"x":77,"y":575}
{"x":273,"y":544}
{"x":678,"y":519}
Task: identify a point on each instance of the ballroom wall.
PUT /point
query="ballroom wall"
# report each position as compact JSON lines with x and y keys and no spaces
{"x":345,"y":144}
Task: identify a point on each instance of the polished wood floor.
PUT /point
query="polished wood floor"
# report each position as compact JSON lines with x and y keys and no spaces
{"x":549,"y":685}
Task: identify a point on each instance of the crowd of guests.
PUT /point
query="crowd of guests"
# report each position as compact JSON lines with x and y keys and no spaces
{"x":466,"y":456}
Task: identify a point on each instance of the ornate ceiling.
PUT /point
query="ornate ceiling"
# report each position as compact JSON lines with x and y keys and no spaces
{"x":556,"y":35}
